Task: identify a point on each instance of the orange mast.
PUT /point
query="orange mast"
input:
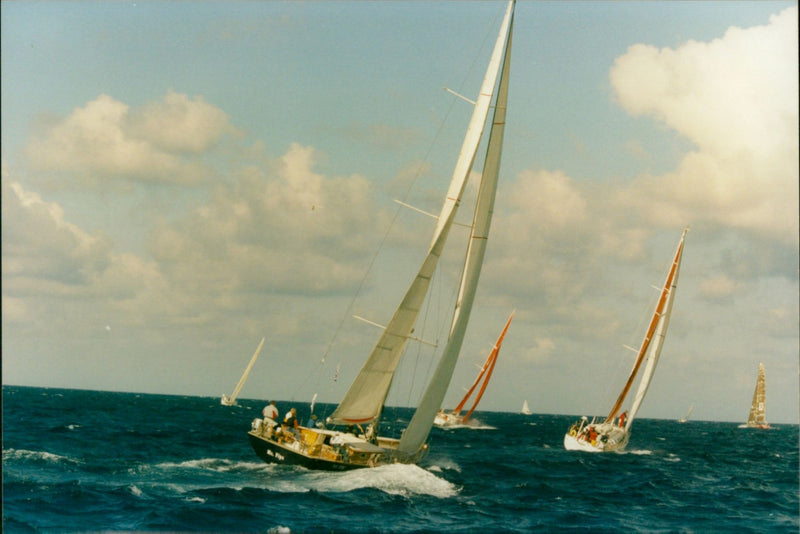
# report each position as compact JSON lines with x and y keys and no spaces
{"x":488,"y":364}
{"x":649,"y":335}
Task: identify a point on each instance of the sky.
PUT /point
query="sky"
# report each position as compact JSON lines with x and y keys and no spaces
{"x":181,"y":179}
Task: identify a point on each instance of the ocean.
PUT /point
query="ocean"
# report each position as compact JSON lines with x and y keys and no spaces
{"x":77,"y":461}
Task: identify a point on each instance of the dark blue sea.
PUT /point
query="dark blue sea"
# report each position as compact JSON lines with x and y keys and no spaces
{"x":87,"y":461}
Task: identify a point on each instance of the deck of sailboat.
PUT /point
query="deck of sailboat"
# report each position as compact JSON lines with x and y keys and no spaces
{"x":607,"y":437}
{"x":328,"y":450}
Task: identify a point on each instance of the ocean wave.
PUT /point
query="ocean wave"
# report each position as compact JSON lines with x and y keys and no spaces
{"x":398,"y":479}
{"x":219,"y":465}
{"x":441,"y":464}
{"x":37,"y":456}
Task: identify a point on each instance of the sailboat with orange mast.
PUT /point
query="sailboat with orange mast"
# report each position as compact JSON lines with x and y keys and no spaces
{"x":454,"y":418}
{"x":613,"y":433}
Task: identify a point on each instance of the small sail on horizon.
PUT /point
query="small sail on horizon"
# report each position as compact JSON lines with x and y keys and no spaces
{"x":685,"y":418}
{"x":231,"y":401}
{"x":757,"y":418}
{"x":526,"y":410}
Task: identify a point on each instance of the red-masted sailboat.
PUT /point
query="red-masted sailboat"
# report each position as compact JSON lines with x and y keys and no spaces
{"x":613,"y":432}
{"x":454,"y":418}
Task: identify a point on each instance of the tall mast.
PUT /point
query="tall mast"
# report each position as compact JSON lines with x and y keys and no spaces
{"x":418,"y":429}
{"x":364,"y":400}
{"x":656,"y":330}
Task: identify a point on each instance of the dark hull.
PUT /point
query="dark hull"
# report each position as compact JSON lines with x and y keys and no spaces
{"x":274,"y":453}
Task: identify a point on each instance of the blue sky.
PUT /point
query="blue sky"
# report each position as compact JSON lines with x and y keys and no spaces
{"x":181,"y":179}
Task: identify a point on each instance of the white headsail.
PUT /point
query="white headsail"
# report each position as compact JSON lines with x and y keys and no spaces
{"x":364,"y":400}
{"x":654,"y":350}
{"x":232,"y":399}
{"x":420,"y":425}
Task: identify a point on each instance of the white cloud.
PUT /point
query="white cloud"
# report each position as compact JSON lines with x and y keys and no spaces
{"x":735,"y":98}
{"x":718,"y":286}
{"x":55,"y":272}
{"x":288,"y":230}
{"x":38,"y":243}
{"x":180,"y":124}
{"x":105,"y":140}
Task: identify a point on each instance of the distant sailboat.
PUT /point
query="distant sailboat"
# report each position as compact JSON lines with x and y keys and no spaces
{"x":525,"y":409}
{"x":231,"y":401}
{"x":686,"y":417}
{"x":345,"y":444}
{"x":454,"y":418}
{"x":758,"y":409}
{"x":612,"y":434}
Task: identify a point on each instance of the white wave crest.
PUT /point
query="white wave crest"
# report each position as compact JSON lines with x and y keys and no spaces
{"x":398,"y":479}
{"x":440,"y":464}
{"x":44,"y":456}
{"x":219,"y":465}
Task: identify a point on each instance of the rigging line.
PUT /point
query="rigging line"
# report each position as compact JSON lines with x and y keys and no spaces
{"x":428,"y":303}
{"x":374,"y":257}
{"x":426,"y":158}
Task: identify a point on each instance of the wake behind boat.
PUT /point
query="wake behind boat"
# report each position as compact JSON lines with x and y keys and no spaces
{"x":359,"y":413}
{"x":757,"y":418}
{"x":613,"y":433}
{"x":454,"y":418}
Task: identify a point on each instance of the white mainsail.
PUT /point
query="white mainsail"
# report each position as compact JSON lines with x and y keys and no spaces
{"x":230,"y":401}
{"x":650,"y":348}
{"x":657,"y":341}
{"x":417,"y":431}
{"x":364,"y":400}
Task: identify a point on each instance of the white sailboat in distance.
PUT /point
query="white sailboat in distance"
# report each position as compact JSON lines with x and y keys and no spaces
{"x":231,"y":401}
{"x":612,"y":433}
{"x":526,"y":410}
{"x":345,"y":443}
{"x":685,"y":418}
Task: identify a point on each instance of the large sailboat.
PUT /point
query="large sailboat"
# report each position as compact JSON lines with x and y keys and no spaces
{"x":444,"y":419}
{"x":358,"y":443}
{"x":758,"y":409}
{"x":613,"y":433}
{"x":231,"y":401}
